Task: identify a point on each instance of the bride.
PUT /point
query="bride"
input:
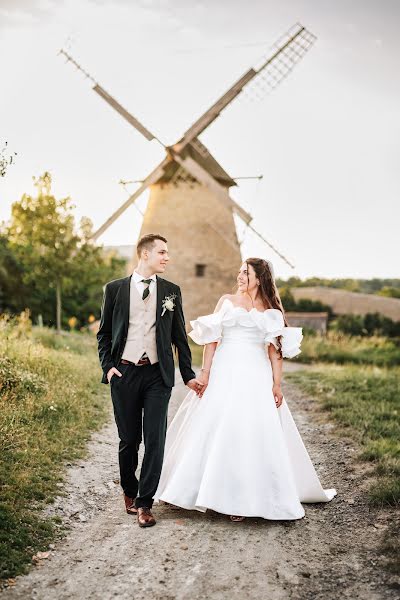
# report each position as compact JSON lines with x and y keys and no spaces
{"x":234,"y":448}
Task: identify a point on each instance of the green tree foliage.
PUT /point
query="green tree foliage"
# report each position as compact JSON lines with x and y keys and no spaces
{"x":92,"y":269}
{"x":13,"y":293}
{"x":307,"y":305}
{"x":288,"y":301}
{"x":389,"y":292}
{"x":42,"y":236}
{"x":384,"y":287}
{"x":47,"y":264}
{"x":367,"y":325}
{"x":303,"y":304}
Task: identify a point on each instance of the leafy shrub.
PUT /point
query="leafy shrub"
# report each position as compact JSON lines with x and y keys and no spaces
{"x":366,"y":325}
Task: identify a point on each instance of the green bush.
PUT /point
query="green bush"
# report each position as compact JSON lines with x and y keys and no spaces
{"x":303,"y":304}
{"x":366,"y":325}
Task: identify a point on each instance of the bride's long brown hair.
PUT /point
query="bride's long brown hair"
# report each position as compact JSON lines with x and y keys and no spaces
{"x":267,"y":289}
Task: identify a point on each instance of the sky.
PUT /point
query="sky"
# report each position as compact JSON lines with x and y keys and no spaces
{"x":326,"y":140}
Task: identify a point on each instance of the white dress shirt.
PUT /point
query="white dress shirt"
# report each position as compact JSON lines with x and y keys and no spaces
{"x":140,"y":286}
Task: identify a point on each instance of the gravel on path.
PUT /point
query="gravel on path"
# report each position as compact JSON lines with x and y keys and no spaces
{"x":332,"y":553}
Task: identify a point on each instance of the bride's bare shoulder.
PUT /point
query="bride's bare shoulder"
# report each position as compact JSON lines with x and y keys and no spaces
{"x":221,"y":301}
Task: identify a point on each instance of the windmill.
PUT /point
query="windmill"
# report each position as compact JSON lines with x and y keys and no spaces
{"x":189,"y":201}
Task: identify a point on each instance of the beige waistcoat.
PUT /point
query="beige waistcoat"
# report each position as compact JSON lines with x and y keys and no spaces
{"x":141,"y":336}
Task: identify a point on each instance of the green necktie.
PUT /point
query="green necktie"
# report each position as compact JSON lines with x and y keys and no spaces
{"x":146,"y":291}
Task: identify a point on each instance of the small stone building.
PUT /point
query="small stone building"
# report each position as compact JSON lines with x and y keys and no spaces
{"x":318,"y":321}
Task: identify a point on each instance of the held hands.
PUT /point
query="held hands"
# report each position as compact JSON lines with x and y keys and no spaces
{"x":204,"y":376}
{"x":200,"y":384}
{"x":111,"y":372}
{"x":196,"y":385}
{"x":278,"y":395}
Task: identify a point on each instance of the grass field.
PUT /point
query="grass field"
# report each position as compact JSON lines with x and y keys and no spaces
{"x":360,"y":388}
{"x":51,"y":401}
{"x":343,"y":349}
{"x":365,"y":402}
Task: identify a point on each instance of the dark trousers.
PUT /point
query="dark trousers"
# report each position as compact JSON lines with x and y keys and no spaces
{"x":140,"y":392}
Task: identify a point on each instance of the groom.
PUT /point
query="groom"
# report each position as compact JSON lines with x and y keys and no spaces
{"x":141,"y":317}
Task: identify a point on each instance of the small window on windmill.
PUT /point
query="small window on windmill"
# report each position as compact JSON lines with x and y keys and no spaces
{"x":200,"y":270}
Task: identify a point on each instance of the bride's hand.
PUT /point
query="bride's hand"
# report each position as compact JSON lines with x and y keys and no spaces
{"x":204,"y":379}
{"x":195,"y":385}
{"x":278,"y":395}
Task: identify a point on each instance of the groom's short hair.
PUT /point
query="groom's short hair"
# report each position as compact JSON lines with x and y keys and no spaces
{"x":147,"y":241}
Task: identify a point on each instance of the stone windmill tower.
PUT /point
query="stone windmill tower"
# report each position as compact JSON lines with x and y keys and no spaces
{"x":189,"y":202}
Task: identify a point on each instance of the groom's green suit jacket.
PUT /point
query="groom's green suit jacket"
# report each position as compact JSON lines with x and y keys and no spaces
{"x":170,"y":329}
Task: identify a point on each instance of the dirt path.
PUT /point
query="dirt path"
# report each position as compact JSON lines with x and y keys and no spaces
{"x":331,"y":553}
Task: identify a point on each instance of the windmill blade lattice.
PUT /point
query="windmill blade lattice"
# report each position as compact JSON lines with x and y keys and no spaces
{"x":286,"y":53}
{"x":284,"y":56}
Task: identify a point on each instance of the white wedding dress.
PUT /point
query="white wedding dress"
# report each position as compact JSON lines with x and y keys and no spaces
{"x":233,"y":450}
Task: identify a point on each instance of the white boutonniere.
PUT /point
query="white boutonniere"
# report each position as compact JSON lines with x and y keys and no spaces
{"x":168,"y":303}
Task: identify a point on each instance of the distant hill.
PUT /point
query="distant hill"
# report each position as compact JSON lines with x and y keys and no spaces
{"x":361,"y":286}
{"x":343,"y":302}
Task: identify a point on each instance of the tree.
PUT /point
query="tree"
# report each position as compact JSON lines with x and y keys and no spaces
{"x":41,"y":234}
{"x":367,"y":325}
{"x":93,"y":267}
{"x":389,"y":292}
{"x":288,"y":301}
{"x":50,"y":266}
{"x":308,"y":305}
{"x":350,"y":324}
{"x":303,"y":304}
{"x":6,"y":160}
{"x":13,"y":294}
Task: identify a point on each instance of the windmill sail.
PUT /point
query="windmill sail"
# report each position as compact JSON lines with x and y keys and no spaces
{"x":189,"y":159}
{"x":110,"y":100}
{"x":123,"y":112}
{"x":154,"y":176}
{"x":287,"y":51}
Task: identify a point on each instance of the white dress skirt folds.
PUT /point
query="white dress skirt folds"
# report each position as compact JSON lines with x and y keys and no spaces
{"x":233,"y":451}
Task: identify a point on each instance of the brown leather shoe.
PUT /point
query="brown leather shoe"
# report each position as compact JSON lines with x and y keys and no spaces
{"x":130,"y":505}
{"x":145,"y":518}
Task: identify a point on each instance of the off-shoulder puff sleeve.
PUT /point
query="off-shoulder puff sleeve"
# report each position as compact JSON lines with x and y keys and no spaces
{"x":274,"y":327}
{"x":206,"y":329}
{"x":291,"y":338}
